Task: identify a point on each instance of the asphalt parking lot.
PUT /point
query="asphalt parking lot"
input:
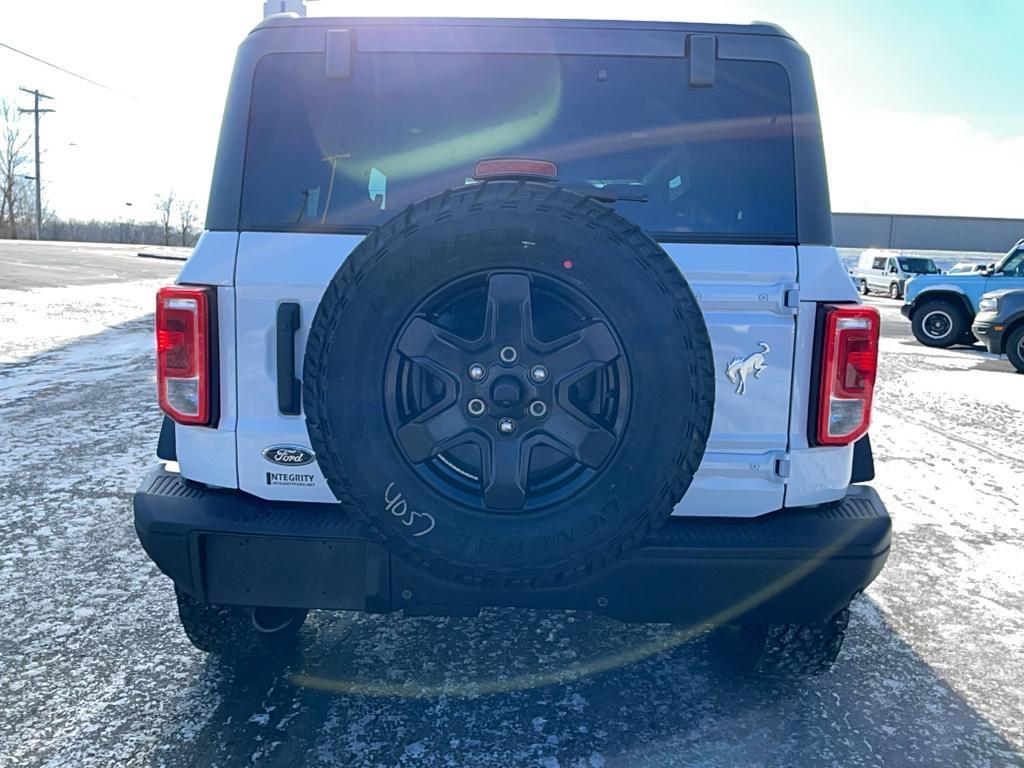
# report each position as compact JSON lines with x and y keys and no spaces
{"x":94,"y":670}
{"x":26,"y":264}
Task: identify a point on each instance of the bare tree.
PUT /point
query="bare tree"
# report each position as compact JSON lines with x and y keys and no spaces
{"x":127,"y":231}
{"x":13,"y":156}
{"x":165,"y":207}
{"x":24,"y":207}
{"x":186,"y":218}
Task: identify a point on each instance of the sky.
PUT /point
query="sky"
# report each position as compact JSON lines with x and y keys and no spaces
{"x":922,"y":101}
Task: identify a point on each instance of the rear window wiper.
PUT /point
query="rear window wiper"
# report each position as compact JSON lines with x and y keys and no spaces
{"x":546,"y":170}
{"x":605,"y":194}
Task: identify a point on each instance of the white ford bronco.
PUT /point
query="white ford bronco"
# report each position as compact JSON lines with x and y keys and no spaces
{"x":517,"y":313}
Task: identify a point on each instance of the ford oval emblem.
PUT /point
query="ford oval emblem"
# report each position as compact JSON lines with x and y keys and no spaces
{"x":288,"y":455}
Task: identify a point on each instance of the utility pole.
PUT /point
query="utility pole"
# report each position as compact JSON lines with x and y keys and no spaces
{"x":36,"y":111}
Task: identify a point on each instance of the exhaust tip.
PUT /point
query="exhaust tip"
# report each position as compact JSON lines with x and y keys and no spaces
{"x":270,"y":620}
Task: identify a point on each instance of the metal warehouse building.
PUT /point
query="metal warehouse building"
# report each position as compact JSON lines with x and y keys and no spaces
{"x":926,"y":233}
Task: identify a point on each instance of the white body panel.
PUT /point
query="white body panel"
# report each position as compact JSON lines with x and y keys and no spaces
{"x":209,"y":455}
{"x":757,"y":457}
{"x":742,"y":292}
{"x":275,"y":268}
{"x":817,"y":474}
{"x":212,"y":261}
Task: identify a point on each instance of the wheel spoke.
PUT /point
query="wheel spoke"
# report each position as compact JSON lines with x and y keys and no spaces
{"x":496,"y":387}
{"x":509,"y":318}
{"x":582,"y":351}
{"x":580,"y":438}
{"x":433,"y":346}
{"x":437,"y":430}
{"x":505,"y":474}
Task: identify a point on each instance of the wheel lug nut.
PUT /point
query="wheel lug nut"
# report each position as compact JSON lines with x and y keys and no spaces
{"x":508,"y":354}
{"x":477,"y":372}
{"x":539,"y":373}
{"x":506,"y":426}
{"x":476,"y":407}
{"x":537,"y":409}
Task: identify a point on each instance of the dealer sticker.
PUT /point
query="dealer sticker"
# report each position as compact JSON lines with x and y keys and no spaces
{"x":289,"y":478}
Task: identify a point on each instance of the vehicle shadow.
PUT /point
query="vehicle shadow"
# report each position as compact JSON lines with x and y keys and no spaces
{"x":571,"y":689}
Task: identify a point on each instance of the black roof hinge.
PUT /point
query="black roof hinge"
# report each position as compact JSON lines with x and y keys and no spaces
{"x":702,"y":50}
{"x":339,"y":53}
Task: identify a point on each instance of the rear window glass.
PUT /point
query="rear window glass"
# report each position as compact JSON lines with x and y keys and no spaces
{"x":344,"y":155}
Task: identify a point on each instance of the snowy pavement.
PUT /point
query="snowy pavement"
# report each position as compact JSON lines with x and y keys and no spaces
{"x":94,"y":670}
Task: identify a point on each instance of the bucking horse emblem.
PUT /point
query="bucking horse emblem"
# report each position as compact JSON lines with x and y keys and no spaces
{"x":740,"y":368}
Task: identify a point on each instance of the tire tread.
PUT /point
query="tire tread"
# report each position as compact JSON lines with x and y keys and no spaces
{"x":525,"y":197}
{"x":794,"y":650}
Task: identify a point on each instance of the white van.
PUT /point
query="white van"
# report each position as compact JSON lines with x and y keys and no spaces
{"x":888,"y":271}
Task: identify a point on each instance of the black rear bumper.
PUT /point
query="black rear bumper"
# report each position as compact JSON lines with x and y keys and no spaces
{"x":794,"y":565}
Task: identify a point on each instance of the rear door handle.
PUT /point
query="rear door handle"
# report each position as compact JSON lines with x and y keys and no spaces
{"x":289,"y":388}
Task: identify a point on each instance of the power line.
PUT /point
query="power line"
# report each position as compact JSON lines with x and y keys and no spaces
{"x":66,"y":71}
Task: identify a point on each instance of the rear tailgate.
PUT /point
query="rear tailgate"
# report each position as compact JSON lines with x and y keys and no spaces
{"x":743,"y":291}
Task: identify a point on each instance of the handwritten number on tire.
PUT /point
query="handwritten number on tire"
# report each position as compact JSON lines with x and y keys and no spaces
{"x":398,"y":507}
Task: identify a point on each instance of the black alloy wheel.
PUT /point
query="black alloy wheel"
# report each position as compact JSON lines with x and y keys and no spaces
{"x":507,"y":390}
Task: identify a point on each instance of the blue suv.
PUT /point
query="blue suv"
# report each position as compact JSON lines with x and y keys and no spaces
{"x":942,"y":307}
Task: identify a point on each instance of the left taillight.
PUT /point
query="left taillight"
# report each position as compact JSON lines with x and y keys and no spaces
{"x":183,"y":354}
{"x":848,"y":368}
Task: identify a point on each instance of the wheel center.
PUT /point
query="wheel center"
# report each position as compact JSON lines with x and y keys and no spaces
{"x":506,"y":392}
{"x":503,"y":399}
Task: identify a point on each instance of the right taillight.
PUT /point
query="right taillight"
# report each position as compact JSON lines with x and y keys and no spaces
{"x":849,"y":363}
{"x":183,"y":355}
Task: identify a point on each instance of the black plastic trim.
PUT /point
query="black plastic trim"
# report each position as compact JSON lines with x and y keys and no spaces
{"x":814,"y":385}
{"x":1016,"y":317}
{"x":1010,"y":325}
{"x":289,"y":388}
{"x":213,"y":339}
{"x":661,"y":237}
{"x":863,"y":461}
{"x":702,"y":54}
{"x":798,"y":565}
{"x":421,"y":22}
{"x":1009,"y":319}
{"x":909,"y":309}
{"x":166,"y":445}
{"x":339,"y":54}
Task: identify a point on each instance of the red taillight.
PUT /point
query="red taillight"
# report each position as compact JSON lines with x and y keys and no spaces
{"x":849,"y":364}
{"x":183,"y":353}
{"x":515,"y":166}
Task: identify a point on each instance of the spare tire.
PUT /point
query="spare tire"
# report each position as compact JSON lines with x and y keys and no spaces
{"x":510,"y":384}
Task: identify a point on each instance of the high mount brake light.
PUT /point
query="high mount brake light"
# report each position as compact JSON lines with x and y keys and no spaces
{"x":849,"y":364}
{"x":498,"y":167}
{"x":183,"y":355}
